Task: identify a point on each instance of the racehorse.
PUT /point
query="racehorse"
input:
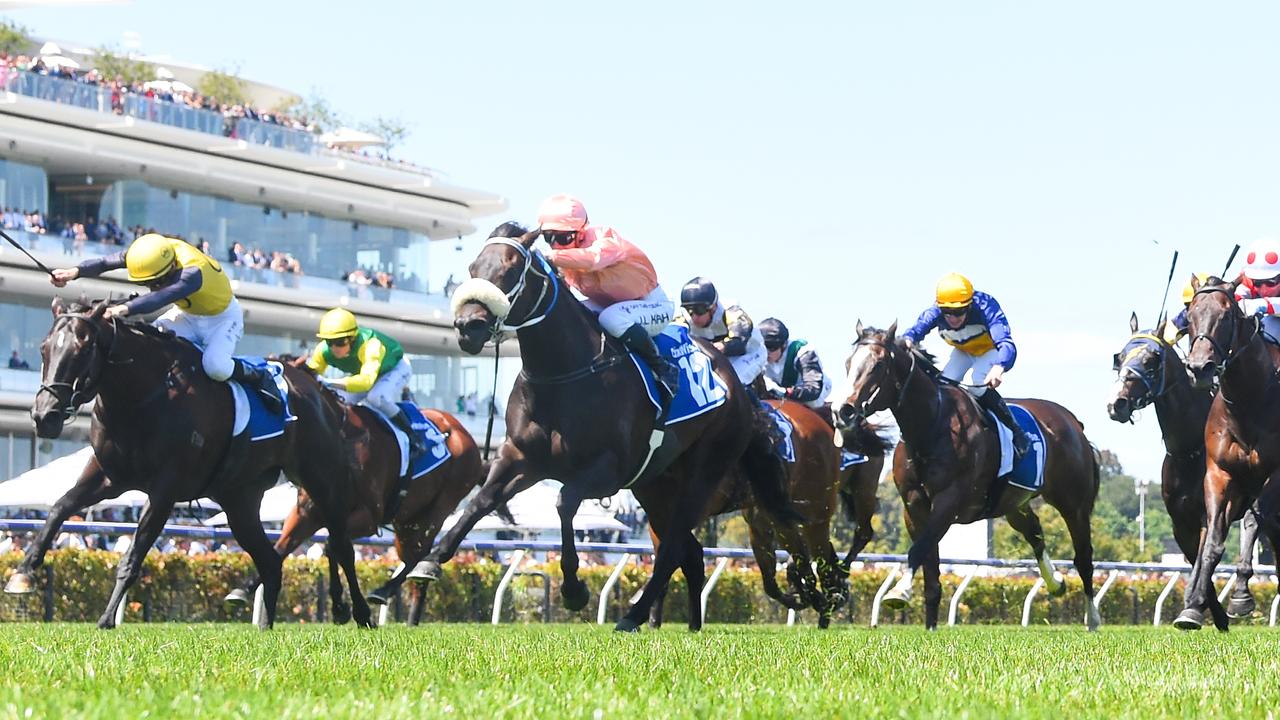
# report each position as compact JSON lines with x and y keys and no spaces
{"x":580,"y":413}
{"x":1149,"y":372}
{"x":160,"y":425}
{"x":1241,"y":434}
{"x":816,"y":481}
{"x":415,"y":518}
{"x":946,"y":466}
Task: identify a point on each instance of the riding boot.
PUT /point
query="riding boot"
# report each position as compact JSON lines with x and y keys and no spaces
{"x":416,"y":446}
{"x":258,"y":379}
{"x":991,"y":400}
{"x":637,"y":340}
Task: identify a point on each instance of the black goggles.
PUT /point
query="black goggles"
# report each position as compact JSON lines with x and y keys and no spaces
{"x":956,"y":312}
{"x":559,"y":238}
{"x":698,"y":309}
{"x":339,"y":342}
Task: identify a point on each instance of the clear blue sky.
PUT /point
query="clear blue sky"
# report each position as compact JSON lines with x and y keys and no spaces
{"x":822,"y":162}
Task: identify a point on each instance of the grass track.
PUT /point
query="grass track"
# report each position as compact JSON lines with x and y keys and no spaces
{"x":475,"y":671}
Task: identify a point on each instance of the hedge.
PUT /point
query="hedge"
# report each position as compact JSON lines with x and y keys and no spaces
{"x":190,"y":589}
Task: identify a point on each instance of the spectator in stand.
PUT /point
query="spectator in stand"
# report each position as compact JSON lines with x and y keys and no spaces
{"x":17,"y":363}
{"x":279,"y":262}
{"x":237,"y":255}
{"x":295,"y":266}
{"x":384,"y":280}
{"x":258,"y":260}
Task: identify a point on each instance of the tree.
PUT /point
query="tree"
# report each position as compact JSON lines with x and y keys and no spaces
{"x":225,"y":87}
{"x":393,"y":130}
{"x":14,"y":38}
{"x":112,"y":65}
{"x":317,"y":110}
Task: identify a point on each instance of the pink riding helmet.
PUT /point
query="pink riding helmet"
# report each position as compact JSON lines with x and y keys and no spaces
{"x":562,"y":213}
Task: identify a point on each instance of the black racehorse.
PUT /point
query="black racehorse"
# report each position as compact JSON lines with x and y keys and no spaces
{"x":160,"y":425}
{"x":946,"y":466}
{"x":579,"y":413}
{"x":1149,"y":372}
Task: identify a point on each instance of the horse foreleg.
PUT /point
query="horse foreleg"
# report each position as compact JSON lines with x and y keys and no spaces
{"x":858,"y":494}
{"x":412,"y":545}
{"x":298,"y":527}
{"x":1242,"y":603}
{"x":149,"y":527}
{"x":246,"y":526}
{"x":341,"y":610}
{"x":765,"y":549}
{"x":574,"y":593}
{"x":695,"y":574}
{"x":90,"y":489}
{"x":932,"y":587}
{"x":1200,"y":586}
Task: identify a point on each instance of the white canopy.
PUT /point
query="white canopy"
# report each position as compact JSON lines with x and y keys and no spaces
{"x":54,"y":61}
{"x":40,"y":488}
{"x":164,"y":73}
{"x":351,"y":138}
{"x":50,"y":48}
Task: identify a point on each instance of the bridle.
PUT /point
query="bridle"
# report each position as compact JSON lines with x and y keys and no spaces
{"x":1230,"y":353}
{"x":72,"y":395}
{"x":900,"y":388}
{"x":1124,"y":367}
{"x":543,"y":270}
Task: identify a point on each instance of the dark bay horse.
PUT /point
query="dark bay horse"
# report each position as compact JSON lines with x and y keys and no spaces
{"x":1149,"y":372}
{"x":945,"y":468}
{"x":579,"y":413}
{"x":816,"y":484}
{"x":160,"y":425}
{"x":1241,"y":434}
{"x":374,"y":458}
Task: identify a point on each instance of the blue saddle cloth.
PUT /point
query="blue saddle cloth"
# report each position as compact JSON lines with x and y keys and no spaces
{"x":1028,"y":473}
{"x":435,"y":440}
{"x":263,"y":424}
{"x":701,"y":390}
{"x":849,"y":459}
{"x":787,"y":449}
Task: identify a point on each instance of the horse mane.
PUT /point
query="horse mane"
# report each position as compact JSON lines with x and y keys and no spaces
{"x":295,"y":361}
{"x":509,"y":229}
{"x":870,"y":333}
{"x":513,"y":229}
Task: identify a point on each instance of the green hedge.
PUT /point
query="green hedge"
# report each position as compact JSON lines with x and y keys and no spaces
{"x":190,"y":589}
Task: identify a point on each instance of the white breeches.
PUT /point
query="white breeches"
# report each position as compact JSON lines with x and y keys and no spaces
{"x":750,"y":364}
{"x":971,"y":369}
{"x":654,"y":312}
{"x":217,"y":334}
{"x":386,"y":391}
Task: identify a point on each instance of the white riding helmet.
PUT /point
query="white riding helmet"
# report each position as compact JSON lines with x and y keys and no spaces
{"x":1262,"y":261}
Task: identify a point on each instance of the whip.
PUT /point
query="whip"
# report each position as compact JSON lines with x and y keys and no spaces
{"x":45,"y":268}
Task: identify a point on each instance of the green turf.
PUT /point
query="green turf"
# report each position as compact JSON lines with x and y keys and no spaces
{"x":474,"y":671}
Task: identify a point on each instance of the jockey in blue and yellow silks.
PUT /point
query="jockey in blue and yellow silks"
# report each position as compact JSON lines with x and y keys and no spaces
{"x":202,"y":307}
{"x":1176,"y":328}
{"x":973,"y":324}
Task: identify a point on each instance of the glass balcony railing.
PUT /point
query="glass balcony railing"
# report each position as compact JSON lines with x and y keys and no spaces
{"x":55,"y":247}
{"x":98,"y":97}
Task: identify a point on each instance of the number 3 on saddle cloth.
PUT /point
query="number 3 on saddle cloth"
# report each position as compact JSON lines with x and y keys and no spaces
{"x":432,"y":438}
{"x":250,"y":413}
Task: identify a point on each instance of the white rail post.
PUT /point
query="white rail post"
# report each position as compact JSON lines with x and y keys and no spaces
{"x":711,"y":583}
{"x":1275,"y":604}
{"x":955,"y":597}
{"x":384,"y":612}
{"x":884,"y":588}
{"x":517,"y":557}
{"x":791,"y":613}
{"x":1168,"y":588}
{"x":608,"y":587}
{"x":1102,"y":591}
{"x":259,"y":606}
{"x":124,"y":602}
{"x":1227,"y":588}
{"x":1031,"y":596}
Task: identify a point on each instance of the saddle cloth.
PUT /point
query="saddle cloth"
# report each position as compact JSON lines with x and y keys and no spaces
{"x":1027,"y":473}
{"x":251,"y":415}
{"x":435,"y":441}
{"x":701,"y":390}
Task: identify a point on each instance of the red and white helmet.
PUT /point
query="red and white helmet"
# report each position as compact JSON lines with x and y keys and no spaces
{"x":1262,"y":261}
{"x":562,"y":213}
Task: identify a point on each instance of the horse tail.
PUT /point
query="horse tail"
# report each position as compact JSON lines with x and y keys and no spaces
{"x":766,"y":472}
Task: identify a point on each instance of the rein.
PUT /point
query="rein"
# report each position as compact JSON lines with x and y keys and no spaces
{"x":1231,"y":352}
{"x":78,"y":395}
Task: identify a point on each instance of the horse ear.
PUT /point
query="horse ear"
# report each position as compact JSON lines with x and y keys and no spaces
{"x":98,"y":310}
{"x":1159,"y":331}
{"x":1195,"y":282}
{"x":1133,"y":322}
{"x":857,"y":329}
{"x":528,"y":238}
{"x":59,"y":306}
{"x":891,"y":334}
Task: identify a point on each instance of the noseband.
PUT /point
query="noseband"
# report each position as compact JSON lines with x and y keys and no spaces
{"x":1126,"y":367}
{"x":543,"y":270}
{"x":899,"y":388}
{"x":85,"y":387}
{"x":1229,"y":354}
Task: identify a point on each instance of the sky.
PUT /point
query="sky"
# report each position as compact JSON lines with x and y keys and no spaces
{"x":823,"y":163}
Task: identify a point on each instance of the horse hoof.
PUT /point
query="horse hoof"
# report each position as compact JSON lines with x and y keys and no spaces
{"x":1189,"y":620}
{"x":236,"y":598}
{"x":896,"y":600}
{"x":426,"y":570}
{"x":19,"y":584}
{"x":627,"y":625}
{"x":575,"y":596}
{"x":106,"y":623}
{"x":1241,"y":607}
{"x":341,"y":614}
{"x":381,"y":596}
{"x":1061,"y":588}
{"x":824,"y":621}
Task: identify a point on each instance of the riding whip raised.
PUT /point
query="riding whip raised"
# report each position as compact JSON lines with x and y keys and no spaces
{"x":41,"y":265}
{"x":1230,"y":259}
{"x":1164,"y":297}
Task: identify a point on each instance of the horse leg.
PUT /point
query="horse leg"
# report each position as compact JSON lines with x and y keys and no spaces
{"x":929,"y":521}
{"x":1082,"y":542}
{"x":341,"y":546}
{"x":1217,"y":502}
{"x":765,"y":549}
{"x":574,"y":594}
{"x":860,"y":505}
{"x":246,"y":526}
{"x":149,"y":527}
{"x":90,"y":489}
{"x":835,"y":580}
{"x":695,"y":574}
{"x":1242,"y":603}
{"x":299,"y":526}
{"x":1186,"y":532}
{"x":337,"y":599}
{"x":932,"y":587}
{"x":1024,"y":519}
{"x":656,"y":612}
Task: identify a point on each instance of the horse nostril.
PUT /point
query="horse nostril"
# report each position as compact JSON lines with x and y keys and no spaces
{"x":846,"y":412}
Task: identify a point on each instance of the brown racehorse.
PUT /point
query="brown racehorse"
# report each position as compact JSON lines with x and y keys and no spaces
{"x":1151,"y":373}
{"x":945,"y":468}
{"x":374,"y":457}
{"x":579,"y":412}
{"x":1242,"y":433}
{"x":816,"y":482}
{"x":160,"y":425}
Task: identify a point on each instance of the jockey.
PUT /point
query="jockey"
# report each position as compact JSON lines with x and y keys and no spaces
{"x":729,"y":328}
{"x":1259,"y":290}
{"x":616,"y":279}
{"x":974,"y":325}
{"x":1177,"y":327}
{"x":792,"y":370}
{"x":377,"y":372}
{"x":202,"y":306}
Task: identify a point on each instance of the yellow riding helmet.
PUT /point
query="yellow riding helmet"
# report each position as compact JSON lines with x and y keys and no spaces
{"x":337,"y":323}
{"x":149,"y":257}
{"x":1189,"y":292}
{"x":954,"y":291}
